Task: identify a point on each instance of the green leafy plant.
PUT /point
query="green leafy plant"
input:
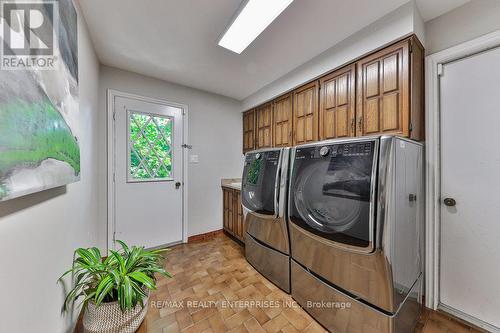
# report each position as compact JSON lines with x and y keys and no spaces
{"x":125,"y":276}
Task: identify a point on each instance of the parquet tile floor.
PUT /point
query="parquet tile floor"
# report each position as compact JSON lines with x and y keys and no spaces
{"x":213,"y":288}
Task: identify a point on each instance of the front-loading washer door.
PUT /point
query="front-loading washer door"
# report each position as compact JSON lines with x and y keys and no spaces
{"x":332,"y":192}
{"x":260,"y":182}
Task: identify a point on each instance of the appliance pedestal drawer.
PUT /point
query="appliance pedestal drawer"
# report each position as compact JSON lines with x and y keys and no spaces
{"x":274,"y":265}
{"x":341,"y":313}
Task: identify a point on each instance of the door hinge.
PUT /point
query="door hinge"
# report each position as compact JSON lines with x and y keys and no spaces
{"x":114,"y":115}
{"x":440,"y":70}
{"x":114,"y":177}
{"x":114,"y":236}
{"x":411,"y":127}
{"x":187,"y":146}
{"x":411,"y":47}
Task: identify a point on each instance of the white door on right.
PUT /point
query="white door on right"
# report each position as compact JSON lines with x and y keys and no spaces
{"x":470,"y":188}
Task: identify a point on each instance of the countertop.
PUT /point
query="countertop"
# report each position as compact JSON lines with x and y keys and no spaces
{"x":232,"y":183}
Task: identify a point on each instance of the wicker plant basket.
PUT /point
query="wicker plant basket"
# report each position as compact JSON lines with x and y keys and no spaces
{"x":108,"y":318}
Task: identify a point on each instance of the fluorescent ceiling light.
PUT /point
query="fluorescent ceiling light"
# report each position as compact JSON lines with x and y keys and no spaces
{"x":251,"y":20}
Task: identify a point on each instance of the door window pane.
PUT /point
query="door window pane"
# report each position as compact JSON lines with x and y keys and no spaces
{"x":149,"y":147}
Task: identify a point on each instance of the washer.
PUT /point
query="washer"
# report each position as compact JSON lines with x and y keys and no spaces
{"x":264,"y":200}
{"x":356,"y":232}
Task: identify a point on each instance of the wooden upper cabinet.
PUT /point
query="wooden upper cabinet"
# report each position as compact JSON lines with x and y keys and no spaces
{"x":305,"y":113}
{"x":282,"y":121}
{"x":264,"y":126}
{"x":417,"y":90}
{"x":383,"y":91}
{"x":337,"y":104}
{"x":248,"y":131}
{"x":386,"y":96}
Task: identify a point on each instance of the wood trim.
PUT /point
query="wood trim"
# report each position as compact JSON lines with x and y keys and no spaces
{"x":405,"y":92}
{"x":417,"y":90}
{"x":205,"y":236}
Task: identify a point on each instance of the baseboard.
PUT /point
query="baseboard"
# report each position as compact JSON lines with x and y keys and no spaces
{"x":467,"y":319}
{"x":205,"y":236}
{"x":236,"y":240}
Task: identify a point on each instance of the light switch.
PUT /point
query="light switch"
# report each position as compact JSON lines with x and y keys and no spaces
{"x":193,"y":159}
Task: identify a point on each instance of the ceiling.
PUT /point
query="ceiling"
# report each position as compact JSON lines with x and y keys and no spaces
{"x":430,"y":9}
{"x":176,"y":40}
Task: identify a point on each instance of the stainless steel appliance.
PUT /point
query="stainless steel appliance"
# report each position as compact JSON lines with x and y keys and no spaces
{"x":263,"y":196}
{"x":356,"y":232}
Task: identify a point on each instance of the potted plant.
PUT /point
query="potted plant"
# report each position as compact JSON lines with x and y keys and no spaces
{"x":115,"y":289}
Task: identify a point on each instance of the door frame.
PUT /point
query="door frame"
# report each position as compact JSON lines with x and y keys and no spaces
{"x":434,"y":69}
{"x":111,"y":94}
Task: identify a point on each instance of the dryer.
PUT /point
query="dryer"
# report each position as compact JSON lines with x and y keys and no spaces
{"x":264,"y":197}
{"x":356,"y":232}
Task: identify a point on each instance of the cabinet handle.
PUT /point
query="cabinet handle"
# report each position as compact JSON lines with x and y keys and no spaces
{"x":360,"y":124}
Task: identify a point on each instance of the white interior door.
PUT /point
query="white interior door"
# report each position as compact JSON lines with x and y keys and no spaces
{"x":470,"y":175}
{"x":148,"y":172}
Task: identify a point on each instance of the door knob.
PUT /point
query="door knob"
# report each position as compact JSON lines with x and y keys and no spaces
{"x":177,"y":185}
{"x":450,"y":202}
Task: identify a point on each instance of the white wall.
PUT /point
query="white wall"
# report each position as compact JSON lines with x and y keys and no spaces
{"x":474,"y":19}
{"x":418,"y":24}
{"x":39,"y":232}
{"x":214,"y":131}
{"x":394,"y":25}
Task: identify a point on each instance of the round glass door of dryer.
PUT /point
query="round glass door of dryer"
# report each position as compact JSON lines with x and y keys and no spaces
{"x":260,"y":181}
{"x":331,"y":191}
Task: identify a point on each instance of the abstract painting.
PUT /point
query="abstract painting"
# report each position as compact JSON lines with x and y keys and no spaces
{"x":39,"y":134}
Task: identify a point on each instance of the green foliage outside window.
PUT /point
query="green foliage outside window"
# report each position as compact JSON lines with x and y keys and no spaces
{"x":150,"y":146}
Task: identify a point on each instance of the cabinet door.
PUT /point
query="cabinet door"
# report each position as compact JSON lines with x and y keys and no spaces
{"x":225,"y":210}
{"x":238,"y":213}
{"x":282,"y":121}
{"x":228,"y":210}
{"x":383,"y":92}
{"x":337,"y":104}
{"x":230,"y":214}
{"x":265,"y":126}
{"x":305,"y":113}
{"x":248,"y":131}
